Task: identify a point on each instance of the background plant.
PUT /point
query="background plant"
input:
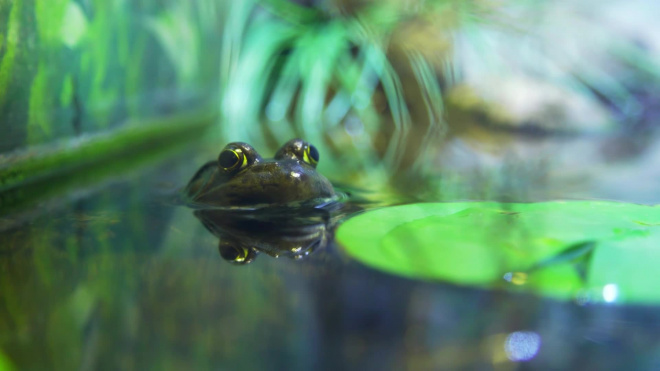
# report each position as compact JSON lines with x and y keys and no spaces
{"x":383,"y":88}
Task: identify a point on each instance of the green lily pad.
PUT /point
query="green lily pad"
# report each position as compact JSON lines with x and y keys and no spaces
{"x":584,"y":250}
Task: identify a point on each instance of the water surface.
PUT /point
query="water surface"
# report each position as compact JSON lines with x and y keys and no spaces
{"x":115,"y":275}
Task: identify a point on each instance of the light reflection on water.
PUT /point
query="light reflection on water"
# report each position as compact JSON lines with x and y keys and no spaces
{"x":610,"y":292}
{"x":522,"y":345}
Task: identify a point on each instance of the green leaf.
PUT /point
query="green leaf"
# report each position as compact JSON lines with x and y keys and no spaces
{"x":560,"y":249}
{"x":74,"y":25}
{"x":629,"y":267}
{"x":39,"y":126}
{"x":50,"y":17}
{"x":177,"y":36}
{"x":5,"y":364}
{"x":11,"y":41}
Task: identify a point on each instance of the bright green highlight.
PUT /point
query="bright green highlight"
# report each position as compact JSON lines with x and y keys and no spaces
{"x":5,"y":364}
{"x":74,"y":25}
{"x":50,"y":19}
{"x":11,"y":40}
{"x":596,"y":251}
{"x":39,"y":126}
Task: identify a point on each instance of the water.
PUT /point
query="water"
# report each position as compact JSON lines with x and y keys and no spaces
{"x":115,"y":275}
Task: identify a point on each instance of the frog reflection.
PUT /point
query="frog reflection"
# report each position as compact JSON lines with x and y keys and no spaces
{"x":241,"y":178}
{"x":244,"y":236}
{"x":278,"y":206}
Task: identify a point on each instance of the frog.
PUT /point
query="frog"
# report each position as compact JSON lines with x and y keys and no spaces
{"x":241,"y":179}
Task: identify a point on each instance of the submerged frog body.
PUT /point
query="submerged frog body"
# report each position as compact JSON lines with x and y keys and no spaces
{"x":241,"y":178}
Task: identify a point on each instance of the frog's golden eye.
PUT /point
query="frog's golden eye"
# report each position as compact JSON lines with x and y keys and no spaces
{"x":235,"y":254}
{"x":232,"y":160}
{"x":311,"y":155}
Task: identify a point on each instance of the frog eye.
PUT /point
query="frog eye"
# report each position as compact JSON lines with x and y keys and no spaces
{"x":311,"y":155}
{"x":236,"y":254}
{"x":232,"y":160}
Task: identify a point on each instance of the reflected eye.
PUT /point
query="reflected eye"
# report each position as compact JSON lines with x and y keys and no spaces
{"x":232,"y":159}
{"x":311,"y":155}
{"x":234,"y":254}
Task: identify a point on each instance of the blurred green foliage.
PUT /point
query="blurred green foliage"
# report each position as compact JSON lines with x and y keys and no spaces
{"x":380,"y":87}
{"x":5,"y":364}
{"x":313,"y":72}
{"x":69,"y":68}
{"x":71,"y":71}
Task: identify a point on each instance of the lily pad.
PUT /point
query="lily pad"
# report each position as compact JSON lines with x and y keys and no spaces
{"x":585,"y":250}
